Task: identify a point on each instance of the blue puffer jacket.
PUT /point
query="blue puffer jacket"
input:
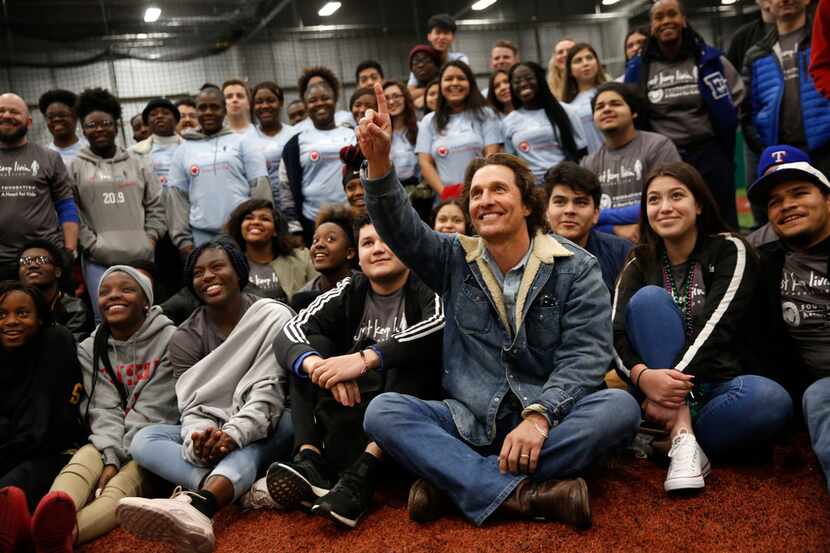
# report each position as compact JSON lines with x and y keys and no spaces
{"x":562,"y":347}
{"x":764,"y":80}
{"x":714,"y":88}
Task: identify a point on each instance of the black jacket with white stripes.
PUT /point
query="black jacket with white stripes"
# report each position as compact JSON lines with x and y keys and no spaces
{"x":328,"y":326}
{"x":725,"y":330}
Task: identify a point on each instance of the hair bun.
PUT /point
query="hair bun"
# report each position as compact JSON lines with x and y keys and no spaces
{"x":352,"y":156}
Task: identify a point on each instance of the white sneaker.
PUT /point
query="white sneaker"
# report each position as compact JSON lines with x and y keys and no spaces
{"x":258,"y":497}
{"x":173,"y":520}
{"x":689,"y":465}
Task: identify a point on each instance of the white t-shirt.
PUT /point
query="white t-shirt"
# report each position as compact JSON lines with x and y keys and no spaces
{"x":530,"y":135}
{"x":463,"y":139}
{"x":582,"y":107}
{"x":322,"y":168}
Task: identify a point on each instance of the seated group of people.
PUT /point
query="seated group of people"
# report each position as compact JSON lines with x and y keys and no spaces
{"x":473,"y":355}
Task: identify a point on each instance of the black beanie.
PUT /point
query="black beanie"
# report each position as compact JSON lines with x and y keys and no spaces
{"x":159,"y":103}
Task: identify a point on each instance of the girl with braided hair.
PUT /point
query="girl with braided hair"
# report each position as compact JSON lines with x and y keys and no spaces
{"x":129,"y":384}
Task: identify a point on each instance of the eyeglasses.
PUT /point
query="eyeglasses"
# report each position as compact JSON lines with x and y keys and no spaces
{"x":27,"y":260}
{"x":99,"y":125}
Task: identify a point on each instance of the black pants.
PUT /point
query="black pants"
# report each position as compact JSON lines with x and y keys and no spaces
{"x":717,"y":167}
{"x":34,"y":476}
{"x":321,"y":421}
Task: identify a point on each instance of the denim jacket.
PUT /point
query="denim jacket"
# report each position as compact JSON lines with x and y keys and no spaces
{"x":562,"y":346}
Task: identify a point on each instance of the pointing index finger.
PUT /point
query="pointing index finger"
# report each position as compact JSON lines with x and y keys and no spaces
{"x":381,"y":99}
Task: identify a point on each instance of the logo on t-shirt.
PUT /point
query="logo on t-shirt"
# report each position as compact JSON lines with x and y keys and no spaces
{"x":314,"y":155}
{"x":18,"y":169}
{"x":194,"y":170}
{"x":524,"y":146}
{"x":443,"y":151}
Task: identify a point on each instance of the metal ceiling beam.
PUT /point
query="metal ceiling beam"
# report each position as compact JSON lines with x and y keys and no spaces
{"x":265,"y":21}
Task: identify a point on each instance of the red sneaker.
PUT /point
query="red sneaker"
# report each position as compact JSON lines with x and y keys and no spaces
{"x":15,"y":520}
{"x":53,"y":523}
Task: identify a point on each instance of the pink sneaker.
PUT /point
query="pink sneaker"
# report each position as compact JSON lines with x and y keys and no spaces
{"x":15,"y":520}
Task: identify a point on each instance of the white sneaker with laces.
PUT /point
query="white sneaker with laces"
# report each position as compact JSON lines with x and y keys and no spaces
{"x":689,"y":465}
{"x":175,"y":521}
{"x":258,"y":497}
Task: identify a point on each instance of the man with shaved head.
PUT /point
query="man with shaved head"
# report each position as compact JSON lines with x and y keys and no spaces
{"x":36,"y":201}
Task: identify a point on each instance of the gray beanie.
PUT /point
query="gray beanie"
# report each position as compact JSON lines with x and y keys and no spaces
{"x":142,"y":279}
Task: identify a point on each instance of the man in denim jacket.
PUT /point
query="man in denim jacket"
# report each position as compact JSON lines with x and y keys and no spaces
{"x":526,"y":344}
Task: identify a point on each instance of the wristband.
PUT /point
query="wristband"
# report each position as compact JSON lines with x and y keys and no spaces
{"x":639,"y":376}
{"x":365,"y":363}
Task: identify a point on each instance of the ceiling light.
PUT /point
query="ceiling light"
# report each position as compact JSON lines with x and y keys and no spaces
{"x":329,"y":9}
{"x":609,"y":2}
{"x":728,"y":2}
{"x":152,"y":14}
{"x":483,"y":4}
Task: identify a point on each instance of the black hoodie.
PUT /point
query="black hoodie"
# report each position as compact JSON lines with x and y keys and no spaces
{"x":41,"y":385}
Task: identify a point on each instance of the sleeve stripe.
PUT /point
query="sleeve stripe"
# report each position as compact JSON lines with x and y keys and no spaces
{"x":728,"y":296}
{"x":425,"y":327}
{"x":617,"y":358}
{"x":293,"y":329}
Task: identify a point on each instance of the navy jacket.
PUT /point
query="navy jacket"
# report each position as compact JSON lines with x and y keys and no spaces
{"x":712,"y":82}
{"x":610,"y":251}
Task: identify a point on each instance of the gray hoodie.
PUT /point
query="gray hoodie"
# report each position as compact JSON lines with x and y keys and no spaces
{"x":141,"y":364}
{"x":119,"y":201}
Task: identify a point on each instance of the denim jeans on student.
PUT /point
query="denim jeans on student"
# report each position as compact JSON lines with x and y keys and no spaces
{"x":92,"y":278}
{"x":816,"y":405}
{"x":740,"y":413}
{"x":158,"y":448}
{"x":422,"y":437}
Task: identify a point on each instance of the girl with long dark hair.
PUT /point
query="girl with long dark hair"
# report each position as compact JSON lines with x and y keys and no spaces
{"x":541,"y":131}
{"x":405,"y":131}
{"x":583,"y":74}
{"x":462,"y":128}
{"x":681,"y":312}
{"x":498,"y":93}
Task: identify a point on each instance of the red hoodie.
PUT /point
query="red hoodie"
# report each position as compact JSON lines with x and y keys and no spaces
{"x":820,"y":55}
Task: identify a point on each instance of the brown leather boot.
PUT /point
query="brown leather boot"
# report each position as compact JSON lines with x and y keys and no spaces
{"x":426,"y":502}
{"x":561,"y":500}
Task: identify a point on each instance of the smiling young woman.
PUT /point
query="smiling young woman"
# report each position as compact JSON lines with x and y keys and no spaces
{"x":682,"y":318}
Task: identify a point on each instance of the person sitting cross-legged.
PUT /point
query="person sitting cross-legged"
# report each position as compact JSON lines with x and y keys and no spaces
{"x":230,"y":396}
{"x":527,"y":341}
{"x":376,"y":331}
{"x":684,"y":329}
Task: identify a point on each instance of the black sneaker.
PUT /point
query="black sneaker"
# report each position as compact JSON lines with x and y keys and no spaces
{"x":352,"y":496}
{"x":299,"y":483}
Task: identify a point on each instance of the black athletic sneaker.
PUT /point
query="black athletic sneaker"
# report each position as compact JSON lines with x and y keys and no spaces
{"x":352,"y":496}
{"x":299,"y":483}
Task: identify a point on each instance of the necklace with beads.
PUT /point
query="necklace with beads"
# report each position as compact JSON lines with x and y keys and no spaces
{"x":682,"y":297}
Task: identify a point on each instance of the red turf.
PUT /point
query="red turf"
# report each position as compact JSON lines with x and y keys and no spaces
{"x":778,"y":506}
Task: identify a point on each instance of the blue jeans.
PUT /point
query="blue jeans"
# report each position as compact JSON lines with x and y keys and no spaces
{"x":816,"y":405}
{"x":422,"y":437}
{"x":741,"y":413}
{"x":158,"y":448}
{"x":92,"y":278}
{"x":202,"y":236}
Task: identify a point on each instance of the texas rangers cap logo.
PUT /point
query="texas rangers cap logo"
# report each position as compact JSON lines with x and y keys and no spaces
{"x":524,"y":146}
{"x":314,"y":156}
{"x":194,"y":170}
{"x":443,"y":151}
{"x":779,"y":156}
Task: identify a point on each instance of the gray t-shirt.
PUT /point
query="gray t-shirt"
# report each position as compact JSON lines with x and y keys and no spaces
{"x":791,"y":124}
{"x":197,"y":337}
{"x":621,"y":172}
{"x":677,"y":107}
{"x":265,"y":278}
{"x":805,"y":303}
{"x":383,"y":316}
{"x":32,"y":180}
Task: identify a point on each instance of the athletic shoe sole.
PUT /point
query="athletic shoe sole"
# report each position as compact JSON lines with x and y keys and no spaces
{"x":326,"y":510}
{"x":688,"y":482}
{"x":291,"y":489}
{"x":153,"y":523}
